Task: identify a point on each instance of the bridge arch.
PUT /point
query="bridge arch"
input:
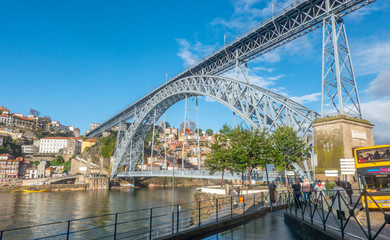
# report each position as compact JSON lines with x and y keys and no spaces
{"x":260,"y":107}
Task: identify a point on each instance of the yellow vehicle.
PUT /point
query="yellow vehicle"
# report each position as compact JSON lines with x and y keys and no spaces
{"x":373,"y":170}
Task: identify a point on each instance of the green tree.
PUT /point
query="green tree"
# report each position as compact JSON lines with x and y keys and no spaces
{"x":59,"y":159}
{"x":220,"y":157}
{"x":209,"y":132}
{"x":108,"y":145}
{"x":287,"y":147}
{"x":250,"y":149}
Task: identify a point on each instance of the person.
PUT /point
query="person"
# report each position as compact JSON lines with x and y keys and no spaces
{"x":306,"y":190}
{"x":272,"y":192}
{"x":348,"y":189}
{"x":339,"y":204}
{"x":297,"y":193}
{"x":241,"y":202}
{"x":320,"y":191}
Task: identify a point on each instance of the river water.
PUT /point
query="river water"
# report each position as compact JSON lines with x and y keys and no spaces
{"x":22,"y":209}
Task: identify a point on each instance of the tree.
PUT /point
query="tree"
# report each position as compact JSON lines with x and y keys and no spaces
{"x":209,"y":132}
{"x":34,"y":112}
{"x":250,"y":149}
{"x":190,"y":124}
{"x":200,"y":132}
{"x":287,"y":147}
{"x":59,"y":159}
{"x":221,"y":158}
{"x":167,"y":125}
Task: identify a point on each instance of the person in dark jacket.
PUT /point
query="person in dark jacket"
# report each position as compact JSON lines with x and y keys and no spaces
{"x":348,"y":189}
{"x":297,"y":193}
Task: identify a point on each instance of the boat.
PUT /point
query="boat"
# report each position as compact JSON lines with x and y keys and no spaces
{"x":33,"y":191}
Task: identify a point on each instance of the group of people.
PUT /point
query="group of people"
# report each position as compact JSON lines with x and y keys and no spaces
{"x":342,"y":193}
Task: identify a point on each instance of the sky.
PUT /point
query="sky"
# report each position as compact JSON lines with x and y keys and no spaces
{"x":81,"y":62}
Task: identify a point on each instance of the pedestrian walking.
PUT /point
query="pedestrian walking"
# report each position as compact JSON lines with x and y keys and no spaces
{"x":339,"y":204}
{"x":348,"y":189}
{"x":320,"y":192}
{"x":297,"y":193}
{"x":306,"y":190}
{"x":241,"y":202}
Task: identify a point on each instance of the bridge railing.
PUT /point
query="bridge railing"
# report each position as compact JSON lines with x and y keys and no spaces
{"x":151,"y":223}
{"x":345,"y":216}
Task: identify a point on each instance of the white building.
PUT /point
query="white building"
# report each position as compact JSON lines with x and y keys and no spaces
{"x":70,"y":145}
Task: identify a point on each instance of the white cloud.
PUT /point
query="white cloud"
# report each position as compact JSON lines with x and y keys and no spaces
{"x":209,"y":99}
{"x":376,"y":111}
{"x":379,"y":87}
{"x":263,"y":69}
{"x":314,"y":97}
{"x":359,"y":15}
{"x":265,"y":82}
{"x":371,"y":57}
{"x":249,"y":13}
{"x":192,"y":53}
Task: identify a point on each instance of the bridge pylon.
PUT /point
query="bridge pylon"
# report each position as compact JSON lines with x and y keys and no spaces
{"x":339,"y":89}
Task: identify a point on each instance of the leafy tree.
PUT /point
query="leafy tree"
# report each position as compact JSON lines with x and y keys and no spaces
{"x":190,"y":124}
{"x":200,"y":132}
{"x":167,"y":125}
{"x":250,"y":149}
{"x":35,"y":112}
{"x":220,"y":157}
{"x":60,"y":159}
{"x":108,"y":145}
{"x":209,"y":132}
{"x":287,"y":147}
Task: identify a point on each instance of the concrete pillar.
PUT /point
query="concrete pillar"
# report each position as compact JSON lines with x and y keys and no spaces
{"x":336,"y":137}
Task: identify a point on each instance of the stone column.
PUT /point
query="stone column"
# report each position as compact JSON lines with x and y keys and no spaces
{"x":336,"y":137}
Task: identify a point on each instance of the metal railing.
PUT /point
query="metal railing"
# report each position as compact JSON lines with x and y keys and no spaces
{"x":150,"y":223}
{"x":333,"y":211}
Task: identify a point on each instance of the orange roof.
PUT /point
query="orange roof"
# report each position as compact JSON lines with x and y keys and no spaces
{"x":76,"y":138}
{"x":24,"y":118}
{"x":91,"y":140}
{"x":4,"y":109}
{"x":4,"y":115}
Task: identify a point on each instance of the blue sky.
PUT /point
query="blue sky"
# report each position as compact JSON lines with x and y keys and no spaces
{"x":83,"y":61}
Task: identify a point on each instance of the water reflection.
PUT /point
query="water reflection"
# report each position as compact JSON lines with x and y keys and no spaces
{"x":268,"y":227}
{"x":21,"y":209}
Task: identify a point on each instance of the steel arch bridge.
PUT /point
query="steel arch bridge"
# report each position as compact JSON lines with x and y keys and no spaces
{"x":259,"y":107}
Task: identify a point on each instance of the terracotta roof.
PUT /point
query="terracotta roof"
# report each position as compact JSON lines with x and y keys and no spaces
{"x":76,"y":138}
{"x":91,"y":140}
{"x":24,"y":118}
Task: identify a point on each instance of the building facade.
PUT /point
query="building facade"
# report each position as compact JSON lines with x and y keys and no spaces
{"x":70,"y":145}
{"x":9,"y":167}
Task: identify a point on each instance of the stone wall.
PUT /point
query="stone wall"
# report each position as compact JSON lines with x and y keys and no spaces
{"x":336,"y":137}
{"x":208,"y":205}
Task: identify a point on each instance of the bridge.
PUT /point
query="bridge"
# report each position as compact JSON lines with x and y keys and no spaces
{"x":259,"y":107}
{"x":256,"y":175}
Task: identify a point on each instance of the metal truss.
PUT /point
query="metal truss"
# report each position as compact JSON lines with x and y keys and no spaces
{"x":291,"y":23}
{"x":339,"y":90}
{"x":257,"y":175}
{"x":259,"y":107}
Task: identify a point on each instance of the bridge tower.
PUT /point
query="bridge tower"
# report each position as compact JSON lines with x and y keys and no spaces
{"x":341,"y":128}
{"x":339,"y":89}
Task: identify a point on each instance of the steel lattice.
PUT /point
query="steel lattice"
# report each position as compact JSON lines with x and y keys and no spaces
{"x":259,"y":107}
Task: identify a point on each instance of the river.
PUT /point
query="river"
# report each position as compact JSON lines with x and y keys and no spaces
{"x":22,"y":209}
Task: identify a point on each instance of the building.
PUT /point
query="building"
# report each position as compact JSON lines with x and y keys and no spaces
{"x":4,"y":110}
{"x":9,"y":167}
{"x":6,"y":119}
{"x":20,"y":121}
{"x":93,"y":125}
{"x":69,"y":145}
{"x":42,"y":168}
{"x":88,"y":143}
{"x":29,"y":149}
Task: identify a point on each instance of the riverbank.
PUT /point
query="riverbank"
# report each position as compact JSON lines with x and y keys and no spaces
{"x":48,"y":188}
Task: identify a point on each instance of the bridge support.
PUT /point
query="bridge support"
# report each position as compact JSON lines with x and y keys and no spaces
{"x":339,"y":90}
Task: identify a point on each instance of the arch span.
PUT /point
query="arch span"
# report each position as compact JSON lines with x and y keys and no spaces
{"x":260,"y":107}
